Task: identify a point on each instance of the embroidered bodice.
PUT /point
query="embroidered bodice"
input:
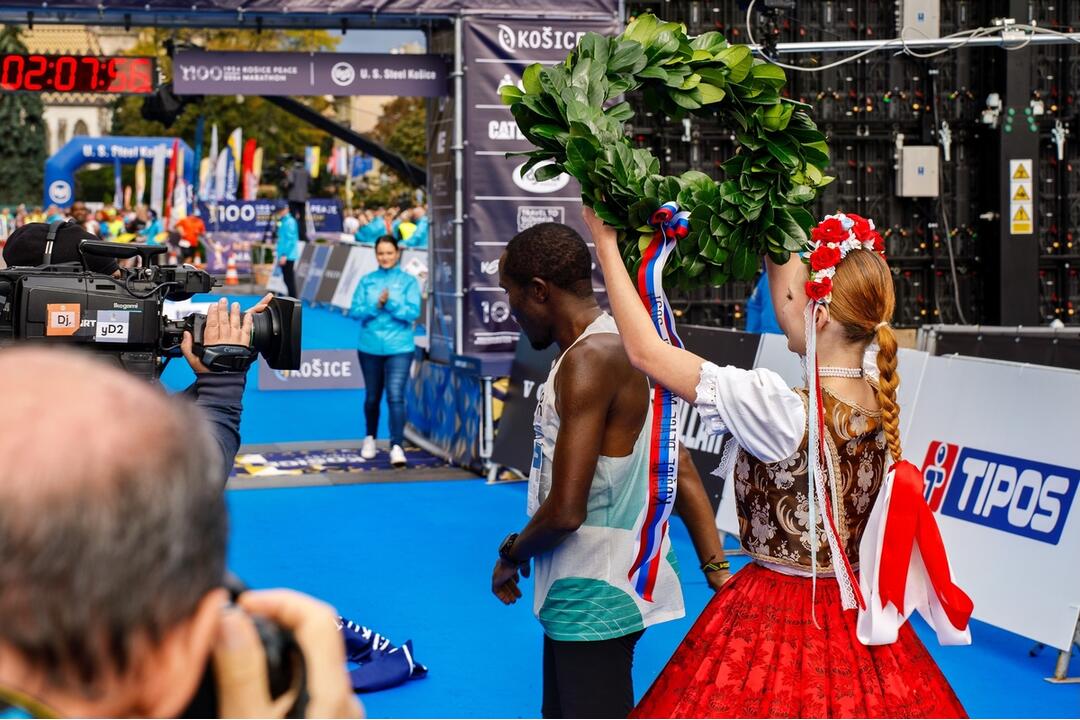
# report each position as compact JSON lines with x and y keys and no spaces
{"x":771,"y":498}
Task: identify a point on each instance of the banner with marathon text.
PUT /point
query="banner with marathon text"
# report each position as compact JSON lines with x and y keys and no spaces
{"x":500,"y":200}
{"x":289,"y":74}
{"x":233,"y":226}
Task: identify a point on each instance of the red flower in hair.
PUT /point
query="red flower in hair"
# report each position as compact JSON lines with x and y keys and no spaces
{"x":829,"y":231}
{"x":824,"y":257}
{"x":862,"y":227}
{"x":819,"y":290}
{"x":879,"y":242}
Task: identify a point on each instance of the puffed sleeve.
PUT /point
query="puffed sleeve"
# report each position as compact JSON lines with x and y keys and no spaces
{"x":764,"y":415}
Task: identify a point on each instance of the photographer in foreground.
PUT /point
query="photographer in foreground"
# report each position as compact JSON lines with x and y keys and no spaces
{"x":112,"y":552}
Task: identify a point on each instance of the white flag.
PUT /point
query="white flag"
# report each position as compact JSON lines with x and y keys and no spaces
{"x":157,"y":179}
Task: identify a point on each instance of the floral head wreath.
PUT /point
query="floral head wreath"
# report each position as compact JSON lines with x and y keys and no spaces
{"x":830,"y":242}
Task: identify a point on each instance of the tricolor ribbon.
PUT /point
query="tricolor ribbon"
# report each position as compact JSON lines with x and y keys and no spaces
{"x":910,"y":521}
{"x":671,"y":226}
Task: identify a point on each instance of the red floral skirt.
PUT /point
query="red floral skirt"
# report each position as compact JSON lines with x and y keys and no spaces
{"x":755,"y":652}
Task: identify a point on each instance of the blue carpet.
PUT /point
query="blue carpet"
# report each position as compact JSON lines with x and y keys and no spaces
{"x":414,"y":561}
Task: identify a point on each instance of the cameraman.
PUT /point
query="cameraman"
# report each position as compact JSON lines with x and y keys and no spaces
{"x":111,"y":563}
{"x":219,"y":394}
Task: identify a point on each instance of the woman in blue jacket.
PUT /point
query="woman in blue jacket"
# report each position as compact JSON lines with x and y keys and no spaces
{"x":387,"y":303}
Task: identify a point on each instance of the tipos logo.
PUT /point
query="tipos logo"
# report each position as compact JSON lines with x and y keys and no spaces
{"x":1014,"y":495}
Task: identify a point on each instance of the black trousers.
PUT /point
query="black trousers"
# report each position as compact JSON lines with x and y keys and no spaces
{"x":589,"y":679}
{"x":289,"y":276}
{"x":298,"y":210}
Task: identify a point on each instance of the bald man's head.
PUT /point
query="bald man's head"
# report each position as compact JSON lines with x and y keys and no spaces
{"x":112,"y":520}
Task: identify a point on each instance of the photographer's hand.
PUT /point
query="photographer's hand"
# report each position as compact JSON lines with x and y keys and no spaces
{"x":223,"y":327}
{"x":240,"y":661}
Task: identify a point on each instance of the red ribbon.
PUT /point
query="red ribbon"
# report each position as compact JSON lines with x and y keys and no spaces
{"x":910,"y":520}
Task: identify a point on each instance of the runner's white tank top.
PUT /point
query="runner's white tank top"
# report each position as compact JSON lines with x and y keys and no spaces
{"x":582,"y":587}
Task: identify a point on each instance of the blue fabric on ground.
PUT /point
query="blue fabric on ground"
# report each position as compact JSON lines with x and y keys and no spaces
{"x":415,"y":561}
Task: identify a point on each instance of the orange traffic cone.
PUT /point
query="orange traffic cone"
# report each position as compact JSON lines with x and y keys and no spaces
{"x":231,"y":278}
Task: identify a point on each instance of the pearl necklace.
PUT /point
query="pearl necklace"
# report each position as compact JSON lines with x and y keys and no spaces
{"x":840,"y":372}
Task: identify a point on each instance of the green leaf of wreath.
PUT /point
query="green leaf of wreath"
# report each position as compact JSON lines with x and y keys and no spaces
{"x":573,"y":114}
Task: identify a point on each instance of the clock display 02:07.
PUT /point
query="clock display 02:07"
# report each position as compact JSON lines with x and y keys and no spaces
{"x":75,"y":73}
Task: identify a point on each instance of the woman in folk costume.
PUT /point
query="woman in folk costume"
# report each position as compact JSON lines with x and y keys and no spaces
{"x":820,"y":489}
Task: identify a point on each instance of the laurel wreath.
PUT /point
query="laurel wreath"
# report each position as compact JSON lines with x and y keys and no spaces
{"x":571,"y":114}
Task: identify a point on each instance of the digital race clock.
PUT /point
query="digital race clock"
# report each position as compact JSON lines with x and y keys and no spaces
{"x":77,"y":73}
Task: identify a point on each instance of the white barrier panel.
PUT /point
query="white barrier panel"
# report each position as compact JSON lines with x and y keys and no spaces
{"x":361,"y":261}
{"x":998,"y":448}
{"x":910,"y":364}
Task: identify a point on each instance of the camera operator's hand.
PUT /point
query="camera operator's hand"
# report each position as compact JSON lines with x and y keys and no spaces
{"x":240,"y":661}
{"x":223,"y":327}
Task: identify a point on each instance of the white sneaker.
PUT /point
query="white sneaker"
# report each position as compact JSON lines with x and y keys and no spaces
{"x":368,"y":450}
{"x":397,"y":457}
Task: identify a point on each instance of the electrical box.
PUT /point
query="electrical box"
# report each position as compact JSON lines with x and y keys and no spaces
{"x":923,"y":17}
{"x":917,"y":175}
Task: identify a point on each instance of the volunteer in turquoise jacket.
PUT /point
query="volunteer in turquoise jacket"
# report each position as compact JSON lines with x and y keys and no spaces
{"x":288,"y":248}
{"x":387,"y":303}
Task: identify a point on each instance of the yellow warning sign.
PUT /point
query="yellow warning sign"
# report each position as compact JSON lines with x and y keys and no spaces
{"x":1021,"y":173}
{"x":1021,"y":193}
{"x":1022,"y":223}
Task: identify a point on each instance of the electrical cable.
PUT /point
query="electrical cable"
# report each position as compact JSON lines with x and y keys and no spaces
{"x":964,"y":36}
{"x":944,"y":216}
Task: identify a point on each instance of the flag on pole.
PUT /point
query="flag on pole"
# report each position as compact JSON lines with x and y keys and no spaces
{"x":118,"y":183}
{"x":311,"y":160}
{"x":246,"y":173}
{"x":233,"y":168}
{"x":206,"y":177}
{"x":157,"y":178}
{"x":341,"y":169}
{"x":170,"y":184}
{"x":256,"y":172}
{"x":140,"y":182}
{"x":196,"y":168}
{"x":210,"y":193}
{"x":220,"y":173}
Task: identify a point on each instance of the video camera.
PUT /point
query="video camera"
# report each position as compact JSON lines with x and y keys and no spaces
{"x":123,"y":318}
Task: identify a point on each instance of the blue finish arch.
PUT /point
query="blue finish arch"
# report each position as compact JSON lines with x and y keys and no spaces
{"x":60,"y":168}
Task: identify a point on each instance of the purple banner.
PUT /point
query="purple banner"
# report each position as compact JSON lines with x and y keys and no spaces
{"x":443,"y":317}
{"x":500,"y":201}
{"x":281,"y":73}
{"x":332,"y":10}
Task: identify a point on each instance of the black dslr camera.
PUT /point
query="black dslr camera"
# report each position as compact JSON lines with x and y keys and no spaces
{"x":285,"y":666}
{"x":122,"y":318}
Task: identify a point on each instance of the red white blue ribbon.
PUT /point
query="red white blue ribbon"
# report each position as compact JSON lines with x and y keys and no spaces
{"x":671,"y":226}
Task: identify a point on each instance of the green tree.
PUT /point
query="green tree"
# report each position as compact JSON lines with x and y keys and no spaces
{"x":22,"y":136}
{"x":277,"y":132}
{"x":402,"y":127}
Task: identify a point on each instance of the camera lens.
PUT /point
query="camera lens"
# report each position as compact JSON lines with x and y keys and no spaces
{"x":276,"y":334}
